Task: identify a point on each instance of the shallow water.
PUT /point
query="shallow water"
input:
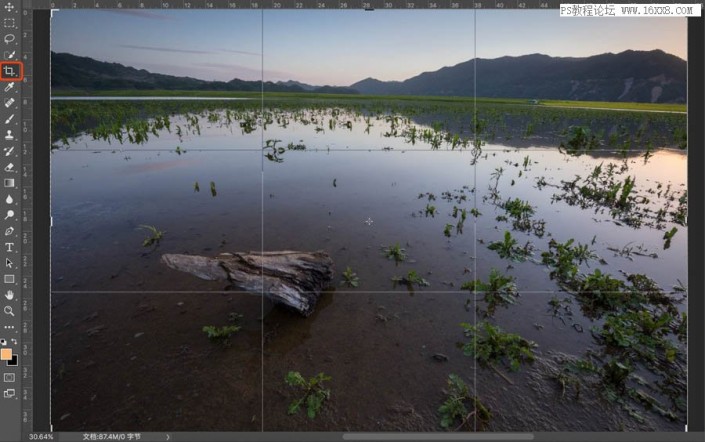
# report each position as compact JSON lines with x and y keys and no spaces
{"x":350,"y":193}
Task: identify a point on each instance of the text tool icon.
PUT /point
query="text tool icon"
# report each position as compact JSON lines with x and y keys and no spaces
{"x":11,"y":71}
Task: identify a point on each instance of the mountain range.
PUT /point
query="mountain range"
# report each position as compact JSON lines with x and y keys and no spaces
{"x":629,"y":76}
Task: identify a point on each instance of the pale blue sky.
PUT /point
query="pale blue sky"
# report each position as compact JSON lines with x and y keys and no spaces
{"x":342,"y":47}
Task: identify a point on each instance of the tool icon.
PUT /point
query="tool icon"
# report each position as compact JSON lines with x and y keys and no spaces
{"x":9,"y":245}
{"x":9,"y":119}
{"x":9,"y":279}
{"x":9,"y":136}
{"x":9,"y":264}
{"x":9,"y":295}
{"x":8,"y":310}
{"x":8,"y":22}
{"x":9,"y":101}
{"x":9,"y":393}
{"x":10,"y":214}
{"x":9,"y":231}
{"x":9,"y":167}
{"x":12,"y":70}
{"x":9,"y":38}
{"x":9,"y":7}
{"x":8,"y":150}
{"x":9,"y":54}
{"x":9,"y":182}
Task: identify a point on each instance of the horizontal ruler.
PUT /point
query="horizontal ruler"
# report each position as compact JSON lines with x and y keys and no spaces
{"x":290,"y":4}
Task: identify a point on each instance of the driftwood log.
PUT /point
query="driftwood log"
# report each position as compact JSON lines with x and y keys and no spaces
{"x":295,"y":279}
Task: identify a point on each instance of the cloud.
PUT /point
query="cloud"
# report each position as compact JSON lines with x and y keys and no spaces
{"x":161,"y":49}
{"x":138,"y":13}
{"x":233,"y":51}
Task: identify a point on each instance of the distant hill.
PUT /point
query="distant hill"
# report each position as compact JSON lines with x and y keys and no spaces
{"x":634,"y":76}
{"x":71,"y":72}
{"x":630,"y":76}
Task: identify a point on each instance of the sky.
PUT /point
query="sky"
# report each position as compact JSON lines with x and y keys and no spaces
{"x":341,"y":47}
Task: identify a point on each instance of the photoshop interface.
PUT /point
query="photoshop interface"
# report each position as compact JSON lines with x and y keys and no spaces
{"x":369,"y":220}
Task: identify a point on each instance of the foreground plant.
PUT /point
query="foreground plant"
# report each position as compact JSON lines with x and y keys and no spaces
{"x":411,"y":278}
{"x":314,"y":392}
{"x":455,"y":407}
{"x":395,"y":252}
{"x":156,"y":237}
{"x":490,"y":345}
{"x":221,"y":334}
{"x":498,"y":290}
{"x":508,"y":248}
{"x":350,"y":278}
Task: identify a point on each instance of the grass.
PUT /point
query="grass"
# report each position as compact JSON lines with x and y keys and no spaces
{"x":297,"y":95}
{"x":313,"y":392}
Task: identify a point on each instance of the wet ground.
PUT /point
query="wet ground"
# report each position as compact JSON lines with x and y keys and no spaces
{"x":128,"y":346}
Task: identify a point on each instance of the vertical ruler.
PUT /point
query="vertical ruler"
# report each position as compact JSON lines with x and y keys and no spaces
{"x":26,"y":241}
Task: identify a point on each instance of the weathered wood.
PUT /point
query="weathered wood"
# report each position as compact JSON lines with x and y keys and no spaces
{"x":295,"y":279}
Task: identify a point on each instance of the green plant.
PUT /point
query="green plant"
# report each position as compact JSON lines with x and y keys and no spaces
{"x":411,"y":278}
{"x":489,"y":344}
{"x":220,"y":334}
{"x":196,"y":188}
{"x":448,"y":229}
{"x":498,"y":290}
{"x":213,"y":192}
{"x":562,"y":258}
{"x":314,"y":392}
{"x":508,"y":248}
{"x":395,"y":252}
{"x":156,"y":237}
{"x":667,"y":237}
{"x":350,"y":278}
{"x":430,"y":210}
{"x":455,"y":407}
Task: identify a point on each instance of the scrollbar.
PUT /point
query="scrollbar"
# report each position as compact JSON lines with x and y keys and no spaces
{"x":437,"y":436}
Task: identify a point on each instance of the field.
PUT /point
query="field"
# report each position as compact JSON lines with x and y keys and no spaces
{"x":500,"y":266}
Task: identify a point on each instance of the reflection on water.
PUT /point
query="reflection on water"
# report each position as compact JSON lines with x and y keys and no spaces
{"x":442,"y":206}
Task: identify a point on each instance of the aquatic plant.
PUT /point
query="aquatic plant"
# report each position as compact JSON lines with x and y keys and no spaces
{"x":412,"y":278}
{"x":508,"y":248}
{"x":491,"y":345}
{"x":156,"y":237}
{"x":395,"y":252}
{"x":314,"y":393}
{"x":221,"y":334}
{"x":350,"y":278}
{"x":455,"y":407}
{"x":499,"y":290}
